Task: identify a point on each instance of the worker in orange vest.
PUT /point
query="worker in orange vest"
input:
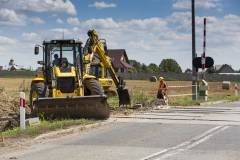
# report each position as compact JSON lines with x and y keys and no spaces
{"x":162,"y":89}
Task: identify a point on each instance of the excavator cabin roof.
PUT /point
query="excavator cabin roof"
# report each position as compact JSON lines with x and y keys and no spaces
{"x":62,"y":41}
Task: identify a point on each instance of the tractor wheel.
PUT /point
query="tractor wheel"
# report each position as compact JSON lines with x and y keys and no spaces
{"x":93,"y":87}
{"x":37,"y":90}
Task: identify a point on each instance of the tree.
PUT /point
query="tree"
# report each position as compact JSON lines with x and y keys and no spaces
{"x":169,"y":65}
{"x":153,"y":68}
{"x":144,"y":68}
{"x":136,"y":65}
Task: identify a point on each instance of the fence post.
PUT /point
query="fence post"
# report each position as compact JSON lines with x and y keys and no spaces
{"x":22,"y":110}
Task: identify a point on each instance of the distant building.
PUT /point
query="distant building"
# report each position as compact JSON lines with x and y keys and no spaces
{"x":225,"y":68}
{"x":12,"y":66}
{"x":120,"y":60}
{"x":221,"y":69}
{"x":189,"y":71}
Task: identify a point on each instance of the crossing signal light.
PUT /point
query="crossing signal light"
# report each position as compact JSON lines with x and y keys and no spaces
{"x":197,"y":62}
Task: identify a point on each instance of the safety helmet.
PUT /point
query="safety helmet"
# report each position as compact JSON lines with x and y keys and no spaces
{"x":161,"y":78}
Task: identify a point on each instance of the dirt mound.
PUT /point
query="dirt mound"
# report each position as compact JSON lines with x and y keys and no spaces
{"x":8,"y":105}
{"x":9,"y":111}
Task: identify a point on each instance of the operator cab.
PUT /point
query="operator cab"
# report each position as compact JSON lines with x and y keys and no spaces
{"x":60,"y":64}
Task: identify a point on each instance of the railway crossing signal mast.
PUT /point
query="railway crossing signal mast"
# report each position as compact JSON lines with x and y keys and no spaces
{"x":194,"y":69}
{"x":204,"y":49}
{"x":198,"y":62}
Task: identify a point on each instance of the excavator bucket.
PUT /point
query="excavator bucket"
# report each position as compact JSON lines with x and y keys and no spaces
{"x":124,"y":98}
{"x":95,"y":107}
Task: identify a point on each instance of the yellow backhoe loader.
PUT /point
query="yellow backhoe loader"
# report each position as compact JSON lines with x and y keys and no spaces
{"x":64,"y":89}
{"x":97,"y":46}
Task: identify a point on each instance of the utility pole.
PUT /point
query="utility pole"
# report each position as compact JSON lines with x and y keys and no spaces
{"x":194,"y":70}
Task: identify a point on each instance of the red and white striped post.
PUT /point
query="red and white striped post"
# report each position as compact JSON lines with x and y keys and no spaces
{"x":204,"y":48}
{"x":22,"y":110}
{"x":236,"y":89}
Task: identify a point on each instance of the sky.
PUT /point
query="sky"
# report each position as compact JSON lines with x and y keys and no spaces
{"x":149,"y":30}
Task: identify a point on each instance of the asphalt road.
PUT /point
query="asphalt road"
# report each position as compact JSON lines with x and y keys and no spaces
{"x":193,"y":133}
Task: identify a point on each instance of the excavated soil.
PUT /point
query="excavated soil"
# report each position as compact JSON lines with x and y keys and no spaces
{"x":9,"y":111}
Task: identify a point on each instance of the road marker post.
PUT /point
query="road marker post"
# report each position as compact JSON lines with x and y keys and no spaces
{"x":236,"y":89}
{"x":22,"y":102}
{"x":1,"y":139}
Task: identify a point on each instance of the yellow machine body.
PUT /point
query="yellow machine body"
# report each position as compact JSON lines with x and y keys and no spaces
{"x":69,"y":93}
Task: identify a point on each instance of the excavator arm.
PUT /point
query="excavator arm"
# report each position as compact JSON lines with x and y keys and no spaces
{"x":96,"y":46}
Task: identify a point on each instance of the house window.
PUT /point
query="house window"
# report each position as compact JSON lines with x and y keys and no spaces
{"x":122,"y":70}
{"x":122,"y":58}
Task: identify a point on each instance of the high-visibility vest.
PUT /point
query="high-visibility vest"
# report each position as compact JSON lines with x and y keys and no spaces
{"x":162,"y":85}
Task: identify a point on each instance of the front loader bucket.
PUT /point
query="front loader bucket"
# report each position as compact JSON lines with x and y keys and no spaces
{"x":73,"y":107}
{"x":124,"y":98}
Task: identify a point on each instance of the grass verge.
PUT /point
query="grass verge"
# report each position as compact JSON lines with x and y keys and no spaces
{"x":45,"y":126}
{"x":183,"y":101}
{"x":187,"y":100}
{"x":224,"y":97}
{"x":146,"y":100}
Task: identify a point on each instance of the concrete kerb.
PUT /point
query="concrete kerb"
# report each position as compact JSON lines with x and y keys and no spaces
{"x":72,"y":130}
{"x":214,"y":102}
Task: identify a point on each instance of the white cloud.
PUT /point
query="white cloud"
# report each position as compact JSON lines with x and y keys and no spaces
{"x":57,"y":6}
{"x":205,"y":4}
{"x":102,"y":5}
{"x":59,"y":20}
{"x":10,"y":17}
{"x":146,"y":40}
{"x":182,"y":20}
{"x":73,"y":21}
{"x":37,"y":20}
{"x":29,"y":36}
{"x":60,"y":30}
{"x":6,"y":40}
{"x":59,"y":33}
{"x":101,"y":23}
{"x":5,"y":44}
{"x":148,"y":23}
{"x":152,"y":39}
{"x":139,"y":24}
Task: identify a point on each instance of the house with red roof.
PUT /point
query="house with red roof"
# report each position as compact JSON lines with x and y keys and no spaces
{"x":120,"y":60}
